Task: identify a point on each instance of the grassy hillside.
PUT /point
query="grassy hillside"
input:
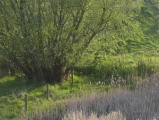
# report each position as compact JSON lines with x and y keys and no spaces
{"x":134,"y":39}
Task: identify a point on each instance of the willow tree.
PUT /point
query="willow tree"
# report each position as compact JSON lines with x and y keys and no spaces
{"x":45,"y":38}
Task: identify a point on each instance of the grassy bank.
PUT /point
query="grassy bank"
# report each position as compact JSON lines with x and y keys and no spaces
{"x":140,"y":104}
{"x":13,"y":90}
{"x":122,"y":71}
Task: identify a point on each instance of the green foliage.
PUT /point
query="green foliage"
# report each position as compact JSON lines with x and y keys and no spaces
{"x":122,"y":52}
{"x":129,"y":67}
{"x":136,"y":35}
{"x":44,"y":39}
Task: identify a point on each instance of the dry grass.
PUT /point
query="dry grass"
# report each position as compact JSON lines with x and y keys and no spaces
{"x":81,"y":116}
{"x":140,"y":104}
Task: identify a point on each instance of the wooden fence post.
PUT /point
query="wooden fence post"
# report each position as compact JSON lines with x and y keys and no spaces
{"x":26,"y":103}
{"x":72,"y":76}
{"x":47,"y":91}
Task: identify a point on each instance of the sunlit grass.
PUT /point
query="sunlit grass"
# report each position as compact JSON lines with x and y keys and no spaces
{"x":13,"y":90}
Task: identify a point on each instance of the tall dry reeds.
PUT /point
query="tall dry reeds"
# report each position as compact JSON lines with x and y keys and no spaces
{"x":81,"y":116}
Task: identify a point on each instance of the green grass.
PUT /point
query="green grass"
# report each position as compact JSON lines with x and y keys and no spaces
{"x":132,"y":66}
{"x":141,"y":64}
{"x":13,"y":90}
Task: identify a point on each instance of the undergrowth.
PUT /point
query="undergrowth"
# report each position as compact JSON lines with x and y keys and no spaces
{"x":124,"y":71}
{"x":140,"y":104}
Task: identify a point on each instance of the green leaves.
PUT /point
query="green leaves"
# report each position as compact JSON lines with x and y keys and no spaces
{"x":40,"y":35}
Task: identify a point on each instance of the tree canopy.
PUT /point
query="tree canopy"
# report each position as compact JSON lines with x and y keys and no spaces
{"x":45,"y":38}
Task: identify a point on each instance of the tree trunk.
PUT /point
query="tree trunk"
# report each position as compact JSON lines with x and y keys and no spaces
{"x":56,"y":74}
